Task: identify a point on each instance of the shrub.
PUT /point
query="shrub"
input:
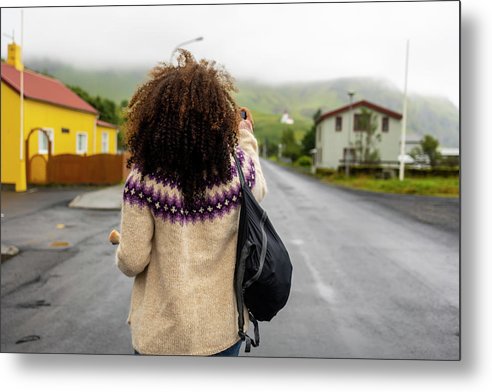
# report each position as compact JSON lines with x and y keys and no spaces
{"x":304,"y":161}
{"x":325,"y":172}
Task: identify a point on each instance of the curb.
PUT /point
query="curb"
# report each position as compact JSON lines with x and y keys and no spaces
{"x":78,"y":204}
{"x":106,"y":199}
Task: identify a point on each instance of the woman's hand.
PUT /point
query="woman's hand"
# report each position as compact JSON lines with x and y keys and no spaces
{"x":248,"y":123}
{"x":114,"y":237}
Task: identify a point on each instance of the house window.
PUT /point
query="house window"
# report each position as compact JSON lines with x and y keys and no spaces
{"x":360,"y":122}
{"x":105,"y":142}
{"x":43,"y":142}
{"x":81,"y":146}
{"x":385,"y":125}
{"x":338,"y":123}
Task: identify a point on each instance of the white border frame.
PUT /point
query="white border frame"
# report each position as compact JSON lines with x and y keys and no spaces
{"x":77,"y":151}
{"x":51,"y":133}
{"x":104,"y":133}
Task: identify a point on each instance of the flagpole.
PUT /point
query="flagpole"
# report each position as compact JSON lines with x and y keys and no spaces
{"x":22,"y":90}
{"x":404,"y":120}
{"x":21,"y":183}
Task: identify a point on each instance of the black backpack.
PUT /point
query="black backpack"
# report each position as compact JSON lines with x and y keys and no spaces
{"x":263,"y":271}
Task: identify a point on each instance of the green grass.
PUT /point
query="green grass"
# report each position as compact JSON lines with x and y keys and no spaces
{"x":432,"y":186}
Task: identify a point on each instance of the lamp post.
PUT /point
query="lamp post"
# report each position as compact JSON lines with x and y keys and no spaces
{"x":401,"y":175}
{"x":183,"y":44}
{"x":347,"y":169}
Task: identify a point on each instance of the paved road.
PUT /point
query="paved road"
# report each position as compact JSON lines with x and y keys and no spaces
{"x":370,"y":281}
{"x":74,"y":299}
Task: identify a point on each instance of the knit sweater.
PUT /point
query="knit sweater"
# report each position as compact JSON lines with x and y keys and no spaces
{"x":183,"y":260}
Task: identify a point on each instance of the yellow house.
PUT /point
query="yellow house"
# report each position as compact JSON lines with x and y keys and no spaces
{"x":31,"y":101}
{"x":106,"y":138}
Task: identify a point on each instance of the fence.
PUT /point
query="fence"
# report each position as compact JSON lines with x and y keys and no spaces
{"x":71,"y":169}
{"x":390,"y":169}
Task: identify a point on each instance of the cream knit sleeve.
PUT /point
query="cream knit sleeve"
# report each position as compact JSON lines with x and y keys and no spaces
{"x":249,"y":144}
{"x":137,"y":230}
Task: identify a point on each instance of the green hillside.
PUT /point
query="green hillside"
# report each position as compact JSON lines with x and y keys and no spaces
{"x":269,"y":128}
{"x":426,"y":114}
{"x":116,"y":85}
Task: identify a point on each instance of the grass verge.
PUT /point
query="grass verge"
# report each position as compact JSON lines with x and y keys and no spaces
{"x":430,"y":186}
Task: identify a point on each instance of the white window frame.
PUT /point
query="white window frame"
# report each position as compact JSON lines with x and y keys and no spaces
{"x":42,"y":138}
{"x":105,"y":147}
{"x":81,"y":152}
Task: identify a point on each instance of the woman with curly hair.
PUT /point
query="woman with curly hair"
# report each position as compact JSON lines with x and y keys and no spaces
{"x":180,"y":210}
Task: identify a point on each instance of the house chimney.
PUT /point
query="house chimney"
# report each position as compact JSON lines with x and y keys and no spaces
{"x":15,"y":56}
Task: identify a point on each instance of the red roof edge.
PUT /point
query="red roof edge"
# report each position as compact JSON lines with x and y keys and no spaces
{"x":363,"y":102}
{"x":62,"y":97}
{"x":106,"y":124}
{"x":27,"y":96}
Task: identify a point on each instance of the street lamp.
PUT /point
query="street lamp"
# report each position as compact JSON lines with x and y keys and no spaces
{"x":183,"y":44}
{"x":347,"y":170}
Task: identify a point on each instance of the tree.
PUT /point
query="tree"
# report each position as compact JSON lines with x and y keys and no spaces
{"x":272,"y":148}
{"x":428,"y":147}
{"x":108,"y":110}
{"x":309,"y":139}
{"x":366,"y":143}
{"x":290,"y":148}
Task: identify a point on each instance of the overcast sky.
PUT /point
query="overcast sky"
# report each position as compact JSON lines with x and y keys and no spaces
{"x":272,"y":43}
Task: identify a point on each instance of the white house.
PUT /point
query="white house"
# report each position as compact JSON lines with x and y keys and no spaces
{"x":334,"y":140}
{"x":449,"y":151}
{"x":286,"y":119}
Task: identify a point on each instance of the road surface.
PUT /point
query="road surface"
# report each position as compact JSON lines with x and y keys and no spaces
{"x":370,"y":280}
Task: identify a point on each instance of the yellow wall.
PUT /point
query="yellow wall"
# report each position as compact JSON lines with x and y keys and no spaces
{"x":41,"y":114}
{"x":10,"y":137}
{"x":112,"y":135}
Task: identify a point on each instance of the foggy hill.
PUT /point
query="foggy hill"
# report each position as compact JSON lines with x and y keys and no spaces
{"x":433,"y":115}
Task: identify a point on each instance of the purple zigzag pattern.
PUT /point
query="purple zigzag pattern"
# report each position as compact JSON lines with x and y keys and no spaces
{"x":170,"y":208}
{"x":174,"y":183}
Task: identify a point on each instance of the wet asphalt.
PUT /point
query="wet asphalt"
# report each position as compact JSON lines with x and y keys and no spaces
{"x":375,"y":276}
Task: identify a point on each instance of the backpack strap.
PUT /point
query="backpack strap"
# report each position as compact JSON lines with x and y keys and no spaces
{"x":239,"y":275}
{"x":247,"y":339}
{"x":256,"y":341}
{"x":239,"y":171}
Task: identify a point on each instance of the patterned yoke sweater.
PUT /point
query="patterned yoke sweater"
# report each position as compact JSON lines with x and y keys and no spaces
{"x":183,"y":260}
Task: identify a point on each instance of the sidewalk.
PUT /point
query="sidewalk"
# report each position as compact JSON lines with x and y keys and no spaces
{"x":102,"y":199}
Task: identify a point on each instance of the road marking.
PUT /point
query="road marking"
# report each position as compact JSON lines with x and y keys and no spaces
{"x":325,"y":291}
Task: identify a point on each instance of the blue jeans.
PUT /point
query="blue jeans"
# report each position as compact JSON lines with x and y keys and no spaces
{"x":232,"y":351}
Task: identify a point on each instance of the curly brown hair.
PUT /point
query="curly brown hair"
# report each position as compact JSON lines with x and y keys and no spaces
{"x":182,"y":123}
